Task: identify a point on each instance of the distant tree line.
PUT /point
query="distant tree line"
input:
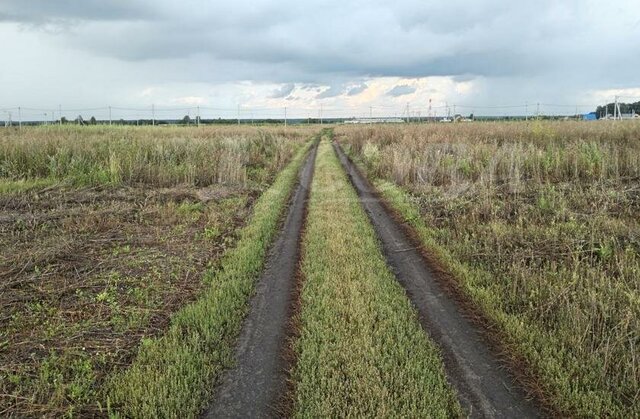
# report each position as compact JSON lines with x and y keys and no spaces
{"x":625,"y":108}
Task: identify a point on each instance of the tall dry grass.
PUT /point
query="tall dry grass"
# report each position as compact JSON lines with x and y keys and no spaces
{"x":153,"y":156}
{"x":500,"y":153}
{"x":544,"y":220}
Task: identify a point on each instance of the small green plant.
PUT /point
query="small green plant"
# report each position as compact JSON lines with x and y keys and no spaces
{"x":121,"y":250}
{"x":211,"y":232}
{"x":190,"y":208}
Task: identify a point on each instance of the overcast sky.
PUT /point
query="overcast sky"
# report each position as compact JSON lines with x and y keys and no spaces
{"x":348,"y":57}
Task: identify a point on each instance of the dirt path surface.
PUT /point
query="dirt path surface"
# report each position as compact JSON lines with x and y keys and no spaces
{"x":485,"y":389}
{"x":254,"y":387}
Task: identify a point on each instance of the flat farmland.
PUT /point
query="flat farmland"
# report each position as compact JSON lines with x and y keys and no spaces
{"x":471,"y":269}
{"x":105,"y":233}
{"x":537,"y":226}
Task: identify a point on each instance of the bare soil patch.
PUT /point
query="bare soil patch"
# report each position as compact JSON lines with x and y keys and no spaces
{"x":87,"y":274}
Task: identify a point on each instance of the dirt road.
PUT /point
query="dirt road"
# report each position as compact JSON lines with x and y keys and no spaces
{"x":256,"y":385}
{"x":484,"y":387}
{"x":253,"y":388}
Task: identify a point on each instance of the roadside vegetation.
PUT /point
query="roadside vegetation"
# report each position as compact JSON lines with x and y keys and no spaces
{"x":173,"y":375}
{"x":540,"y":224}
{"x":361,"y":351}
{"x":105,"y":233}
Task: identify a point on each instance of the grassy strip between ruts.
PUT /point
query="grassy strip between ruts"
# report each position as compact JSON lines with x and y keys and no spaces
{"x":173,"y":376}
{"x":361,"y":351}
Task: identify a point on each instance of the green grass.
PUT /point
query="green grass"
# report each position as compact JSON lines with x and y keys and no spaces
{"x":172,"y":376}
{"x":23,"y":185}
{"x":361,"y":351}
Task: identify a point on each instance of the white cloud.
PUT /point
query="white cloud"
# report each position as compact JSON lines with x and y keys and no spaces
{"x":190,"y":100}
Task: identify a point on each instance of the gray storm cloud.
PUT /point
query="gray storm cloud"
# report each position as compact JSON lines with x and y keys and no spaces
{"x":283,"y":91}
{"x":332,"y":91}
{"x":47,"y":11}
{"x":564,"y":47}
{"x":401,"y":90}
{"x":356,"y":90}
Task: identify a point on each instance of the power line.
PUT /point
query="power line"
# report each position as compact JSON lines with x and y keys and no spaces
{"x":276,"y":113}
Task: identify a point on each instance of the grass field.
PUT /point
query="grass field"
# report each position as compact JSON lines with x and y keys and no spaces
{"x":172,"y":376}
{"x":129,"y":259}
{"x":161,"y":157}
{"x":539,"y":223}
{"x":361,"y":351}
{"x":106,"y":232}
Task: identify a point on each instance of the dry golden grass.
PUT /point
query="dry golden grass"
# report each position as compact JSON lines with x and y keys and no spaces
{"x":157,"y":156}
{"x":540,"y":222}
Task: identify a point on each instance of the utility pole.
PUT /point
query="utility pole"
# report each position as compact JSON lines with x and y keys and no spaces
{"x":198,"y":117}
{"x":238,"y":115}
{"x":285,"y":116}
{"x":538,"y":110}
{"x":320,"y":114}
{"x":19,"y":117}
{"x":109,"y":115}
{"x":153,"y":114}
{"x":617,"y":114}
{"x":526,"y":111}
{"x":59,"y":114}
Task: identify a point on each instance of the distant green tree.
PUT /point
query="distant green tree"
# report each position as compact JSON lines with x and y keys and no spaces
{"x":186,"y":120}
{"x":602,"y":111}
{"x":63,"y":120}
{"x":93,"y":121}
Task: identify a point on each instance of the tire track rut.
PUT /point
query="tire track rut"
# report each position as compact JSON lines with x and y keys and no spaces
{"x":256,"y":384}
{"x":485,"y":388}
